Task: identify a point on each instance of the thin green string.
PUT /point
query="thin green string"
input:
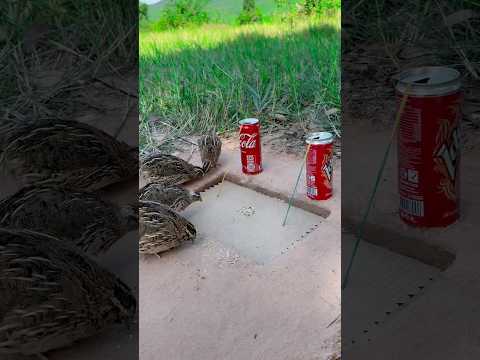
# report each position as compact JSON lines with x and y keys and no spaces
{"x":296,"y":186}
{"x":375,"y":188}
{"x":365,"y":216}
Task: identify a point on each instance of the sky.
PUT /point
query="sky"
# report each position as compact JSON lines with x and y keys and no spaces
{"x":150,"y":1}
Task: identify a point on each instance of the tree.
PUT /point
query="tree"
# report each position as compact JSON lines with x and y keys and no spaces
{"x":310,"y":6}
{"x":143,"y":11}
{"x":249,"y":6}
{"x":250,"y":13}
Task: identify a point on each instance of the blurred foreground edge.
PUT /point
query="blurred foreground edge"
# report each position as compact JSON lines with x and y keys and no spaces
{"x":69,"y":174}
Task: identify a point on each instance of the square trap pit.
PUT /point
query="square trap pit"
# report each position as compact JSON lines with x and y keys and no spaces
{"x":382,"y":285}
{"x":250,"y":222}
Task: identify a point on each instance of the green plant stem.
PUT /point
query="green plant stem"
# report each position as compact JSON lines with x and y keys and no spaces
{"x":371,"y":200}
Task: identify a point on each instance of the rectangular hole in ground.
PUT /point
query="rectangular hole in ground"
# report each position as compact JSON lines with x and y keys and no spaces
{"x":381,"y":285}
{"x":235,"y":282}
{"x":250,"y":222}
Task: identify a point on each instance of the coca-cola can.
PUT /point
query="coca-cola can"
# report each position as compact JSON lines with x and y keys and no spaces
{"x":429,"y":145}
{"x":319,"y":165}
{"x":250,"y":146}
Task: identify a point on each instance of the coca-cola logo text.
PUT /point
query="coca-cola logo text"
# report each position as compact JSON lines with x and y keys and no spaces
{"x":248,"y":141}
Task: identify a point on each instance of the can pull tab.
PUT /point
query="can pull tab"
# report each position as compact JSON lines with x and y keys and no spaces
{"x":396,"y":78}
{"x":422,"y":80}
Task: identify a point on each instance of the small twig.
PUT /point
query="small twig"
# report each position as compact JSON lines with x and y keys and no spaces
{"x":221,"y":183}
{"x":357,"y":5}
{"x":185,"y":140}
{"x":76,"y":53}
{"x":334,"y":320}
{"x":125,"y":92}
{"x":176,"y":137}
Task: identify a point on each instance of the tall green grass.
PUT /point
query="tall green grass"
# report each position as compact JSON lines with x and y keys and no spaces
{"x":212,"y":76}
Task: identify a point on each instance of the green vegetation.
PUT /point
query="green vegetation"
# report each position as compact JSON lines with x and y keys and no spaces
{"x":207,"y":64}
{"x":227,"y":11}
{"x":182,"y":13}
{"x":194,"y":79}
{"x":143,"y":12}
{"x":250,"y":13}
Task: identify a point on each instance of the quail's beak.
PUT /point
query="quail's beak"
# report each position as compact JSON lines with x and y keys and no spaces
{"x":196,"y":196}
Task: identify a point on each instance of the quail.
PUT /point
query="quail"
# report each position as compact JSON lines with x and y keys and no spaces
{"x":175,"y":197}
{"x":66,"y":153}
{"x":168,"y":170}
{"x":210,"y":147}
{"x":54,"y":295}
{"x":79,"y":217}
{"x":162,"y":229}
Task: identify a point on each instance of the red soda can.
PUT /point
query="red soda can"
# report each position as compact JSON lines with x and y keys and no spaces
{"x":319,"y":165}
{"x":429,"y":144}
{"x":250,"y":146}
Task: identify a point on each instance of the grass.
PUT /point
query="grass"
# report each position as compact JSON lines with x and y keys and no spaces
{"x":395,"y":23}
{"x":83,"y":40}
{"x":196,"y":79}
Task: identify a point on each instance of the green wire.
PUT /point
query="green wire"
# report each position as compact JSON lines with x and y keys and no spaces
{"x":365,"y":216}
{"x":374,"y":192}
{"x":296,"y":186}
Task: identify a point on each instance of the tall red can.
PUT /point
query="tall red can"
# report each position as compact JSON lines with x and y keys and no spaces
{"x":429,"y":146}
{"x":250,"y":146}
{"x":319,"y":165}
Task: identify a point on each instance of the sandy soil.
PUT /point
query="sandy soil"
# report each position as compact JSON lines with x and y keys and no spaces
{"x":247,"y":288}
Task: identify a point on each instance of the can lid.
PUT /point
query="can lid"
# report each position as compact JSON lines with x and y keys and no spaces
{"x":320,"y":138}
{"x":429,"y":81}
{"x":249,"y":121}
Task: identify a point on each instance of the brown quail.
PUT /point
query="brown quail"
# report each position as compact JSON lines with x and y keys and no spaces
{"x":168,"y":170}
{"x":162,"y":229}
{"x":66,"y":153}
{"x":210,"y":147}
{"x":54,"y":295}
{"x":175,"y":197}
{"x":82,"y":218}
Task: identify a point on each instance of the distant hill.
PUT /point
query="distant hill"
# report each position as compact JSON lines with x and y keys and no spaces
{"x":155,"y":9}
{"x":226,"y":10}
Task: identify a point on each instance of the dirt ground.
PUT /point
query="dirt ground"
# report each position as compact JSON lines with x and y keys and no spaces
{"x":247,"y":288}
{"x":437,"y":313}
